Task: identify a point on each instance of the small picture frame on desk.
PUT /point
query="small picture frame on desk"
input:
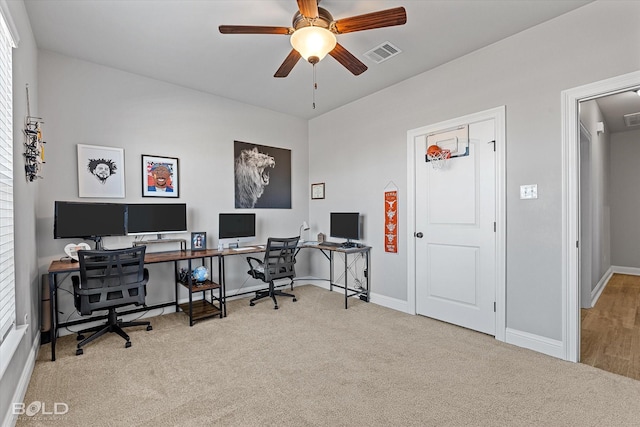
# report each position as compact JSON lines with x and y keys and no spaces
{"x":198,"y":241}
{"x":317,"y":191}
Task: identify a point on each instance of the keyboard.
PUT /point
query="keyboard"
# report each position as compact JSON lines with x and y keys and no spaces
{"x":330,"y":244}
{"x":246,"y":248}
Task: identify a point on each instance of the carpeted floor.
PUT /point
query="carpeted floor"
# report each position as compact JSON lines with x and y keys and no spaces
{"x":313,"y":363}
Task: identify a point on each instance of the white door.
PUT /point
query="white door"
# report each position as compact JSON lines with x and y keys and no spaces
{"x":456,"y":214}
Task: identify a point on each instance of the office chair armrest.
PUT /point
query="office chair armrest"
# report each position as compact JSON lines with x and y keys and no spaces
{"x":250,"y":258}
{"x":257,"y":269}
{"x":78,"y":289}
{"x":145,"y":279}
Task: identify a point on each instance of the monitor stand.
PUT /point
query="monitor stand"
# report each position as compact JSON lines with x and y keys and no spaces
{"x":183,"y":242}
{"x":98,"y":242}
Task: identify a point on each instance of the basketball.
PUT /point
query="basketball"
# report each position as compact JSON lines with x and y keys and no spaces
{"x":433,"y":150}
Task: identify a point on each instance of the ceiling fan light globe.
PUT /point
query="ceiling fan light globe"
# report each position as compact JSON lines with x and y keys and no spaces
{"x":313,"y":42}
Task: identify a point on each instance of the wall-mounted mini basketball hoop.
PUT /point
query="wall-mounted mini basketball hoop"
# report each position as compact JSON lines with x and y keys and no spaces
{"x":438,"y":156}
{"x":440,"y":151}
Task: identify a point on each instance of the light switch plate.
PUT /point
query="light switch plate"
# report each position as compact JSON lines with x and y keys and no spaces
{"x":529,"y":191}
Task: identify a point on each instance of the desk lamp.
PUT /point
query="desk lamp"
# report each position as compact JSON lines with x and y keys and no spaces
{"x":303,"y":227}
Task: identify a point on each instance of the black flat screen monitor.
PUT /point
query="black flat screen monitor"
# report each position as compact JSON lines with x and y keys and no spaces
{"x":89,"y":220}
{"x":345,"y":225}
{"x":236,"y":228}
{"x":156,"y":218}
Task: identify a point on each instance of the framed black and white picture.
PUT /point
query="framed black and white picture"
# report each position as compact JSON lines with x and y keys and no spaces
{"x":198,"y":241}
{"x":100,"y":171}
{"x":262,"y":176}
{"x":160,"y":176}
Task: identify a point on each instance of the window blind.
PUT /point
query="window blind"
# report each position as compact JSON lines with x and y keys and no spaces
{"x":7,"y":266}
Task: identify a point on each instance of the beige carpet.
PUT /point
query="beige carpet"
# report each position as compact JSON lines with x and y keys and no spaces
{"x":313,"y":363}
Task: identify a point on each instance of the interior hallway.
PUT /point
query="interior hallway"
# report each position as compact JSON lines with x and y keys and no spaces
{"x":610,"y":331}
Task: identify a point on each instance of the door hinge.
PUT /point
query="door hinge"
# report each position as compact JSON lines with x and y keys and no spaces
{"x":577,"y":245}
{"x":494,"y":226}
{"x":494,"y":306}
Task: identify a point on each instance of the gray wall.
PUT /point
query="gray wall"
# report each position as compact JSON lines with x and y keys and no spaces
{"x":84,"y":103}
{"x":599,"y":258}
{"x":25,"y":199}
{"x":365,"y":142}
{"x":363,"y":145}
{"x":625,"y":199}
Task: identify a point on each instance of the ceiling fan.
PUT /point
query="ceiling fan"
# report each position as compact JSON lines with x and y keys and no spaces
{"x":313,"y":34}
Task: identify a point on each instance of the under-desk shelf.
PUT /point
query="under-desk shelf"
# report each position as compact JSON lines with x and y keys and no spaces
{"x":201,"y":309}
{"x":202,"y":286}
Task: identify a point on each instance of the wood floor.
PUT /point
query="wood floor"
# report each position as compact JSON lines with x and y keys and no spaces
{"x":610,"y":331}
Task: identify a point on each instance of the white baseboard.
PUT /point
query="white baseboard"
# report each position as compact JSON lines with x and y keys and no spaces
{"x":602,"y":283}
{"x":534,"y":342}
{"x":382,"y":300}
{"x":392,"y":303}
{"x":21,"y":390}
{"x":633,"y":271}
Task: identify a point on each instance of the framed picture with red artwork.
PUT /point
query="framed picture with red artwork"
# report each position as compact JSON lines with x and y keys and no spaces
{"x":160,"y":176}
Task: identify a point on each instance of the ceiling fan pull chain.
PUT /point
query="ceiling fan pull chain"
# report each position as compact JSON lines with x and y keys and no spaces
{"x":315,"y":86}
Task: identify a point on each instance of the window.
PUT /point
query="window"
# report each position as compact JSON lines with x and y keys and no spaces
{"x":7,"y":276}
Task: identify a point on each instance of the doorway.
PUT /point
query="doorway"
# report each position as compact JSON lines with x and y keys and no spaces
{"x":436,"y":287}
{"x":571,"y":289}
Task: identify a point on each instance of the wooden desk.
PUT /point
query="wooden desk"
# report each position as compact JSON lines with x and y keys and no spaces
{"x":199,"y":311}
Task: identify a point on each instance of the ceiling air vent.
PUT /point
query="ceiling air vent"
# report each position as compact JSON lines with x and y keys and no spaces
{"x":632,"y":119}
{"x":383,"y":52}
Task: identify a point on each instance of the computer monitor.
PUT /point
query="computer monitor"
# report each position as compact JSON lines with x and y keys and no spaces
{"x":89,"y":221}
{"x":156,"y":218}
{"x":236,"y":228}
{"x":345,"y":225}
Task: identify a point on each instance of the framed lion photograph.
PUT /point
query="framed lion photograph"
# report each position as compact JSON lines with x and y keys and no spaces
{"x":262,"y":176}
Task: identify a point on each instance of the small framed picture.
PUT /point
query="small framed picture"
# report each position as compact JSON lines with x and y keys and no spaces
{"x":198,"y":241}
{"x":317,"y":191}
{"x":100,"y":171}
{"x":160,"y":176}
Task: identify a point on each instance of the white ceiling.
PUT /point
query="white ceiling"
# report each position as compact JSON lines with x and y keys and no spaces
{"x":177,"y":41}
{"x":614,"y":107}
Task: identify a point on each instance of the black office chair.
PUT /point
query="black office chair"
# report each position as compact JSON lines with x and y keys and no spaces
{"x":279,"y":263}
{"x":110,"y":279}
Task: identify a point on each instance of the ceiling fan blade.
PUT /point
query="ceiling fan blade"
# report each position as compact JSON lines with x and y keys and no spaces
{"x":252,"y":29}
{"x":347,"y":59}
{"x":369,"y":21}
{"x":290,"y":61}
{"x":308,"y":8}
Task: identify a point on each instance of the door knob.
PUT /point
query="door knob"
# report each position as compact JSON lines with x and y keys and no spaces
{"x":419,"y":235}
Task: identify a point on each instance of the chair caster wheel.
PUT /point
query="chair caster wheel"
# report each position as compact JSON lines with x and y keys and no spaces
{"x":79,"y":352}
{"x":252,"y":304}
{"x":275,"y":308}
{"x":79,"y":337}
{"x":128,"y":344}
{"x":149,"y":328}
{"x":294,"y":300}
